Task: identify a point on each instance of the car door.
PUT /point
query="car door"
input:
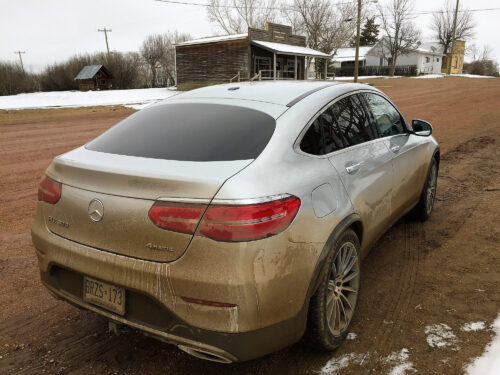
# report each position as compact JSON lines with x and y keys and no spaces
{"x":363,"y":164}
{"x":406,"y":149}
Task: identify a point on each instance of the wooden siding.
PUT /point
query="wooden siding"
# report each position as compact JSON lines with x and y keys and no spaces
{"x":278,"y":34}
{"x":209,"y":64}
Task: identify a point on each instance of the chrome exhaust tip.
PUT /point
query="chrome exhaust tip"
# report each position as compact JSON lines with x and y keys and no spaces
{"x":203,"y":354}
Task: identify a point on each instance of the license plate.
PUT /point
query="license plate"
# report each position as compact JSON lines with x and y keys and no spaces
{"x":102,"y":294}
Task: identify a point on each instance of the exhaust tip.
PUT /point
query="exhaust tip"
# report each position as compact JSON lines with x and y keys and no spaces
{"x":202,"y":354}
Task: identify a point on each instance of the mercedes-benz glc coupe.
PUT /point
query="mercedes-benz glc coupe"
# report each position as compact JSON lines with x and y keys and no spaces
{"x":232,"y":220}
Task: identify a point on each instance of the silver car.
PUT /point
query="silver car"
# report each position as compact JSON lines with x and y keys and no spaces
{"x":231,"y":220}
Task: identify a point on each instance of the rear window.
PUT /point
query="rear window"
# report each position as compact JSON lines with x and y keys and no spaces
{"x":189,"y":132}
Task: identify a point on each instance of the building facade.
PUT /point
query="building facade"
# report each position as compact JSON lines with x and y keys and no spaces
{"x":456,"y":58}
{"x":272,"y":53}
{"x":427,"y":58}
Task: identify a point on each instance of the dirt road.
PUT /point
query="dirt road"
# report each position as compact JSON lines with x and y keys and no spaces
{"x":421,"y":283}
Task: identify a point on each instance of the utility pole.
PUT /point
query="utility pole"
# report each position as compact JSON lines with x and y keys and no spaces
{"x":105,"y":31}
{"x":20,"y":58}
{"x":358,"y":32}
{"x":453,"y":39}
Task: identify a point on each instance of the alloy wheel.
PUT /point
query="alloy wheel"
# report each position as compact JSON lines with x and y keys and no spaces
{"x":342,"y":289}
{"x":431,"y":189}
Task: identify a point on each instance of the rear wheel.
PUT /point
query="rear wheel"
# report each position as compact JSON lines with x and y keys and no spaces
{"x":425,"y":205}
{"x":332,"y":307}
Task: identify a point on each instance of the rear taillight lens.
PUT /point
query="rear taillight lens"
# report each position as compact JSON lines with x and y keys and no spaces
{"x":236,"y":223}
{"x":178,"y":217}
{"x":228,"y":223}
{"x":49,"y":190}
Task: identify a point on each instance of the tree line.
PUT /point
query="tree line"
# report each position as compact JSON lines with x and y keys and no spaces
{"x":326,"y":25}
{"x":152,"y":66}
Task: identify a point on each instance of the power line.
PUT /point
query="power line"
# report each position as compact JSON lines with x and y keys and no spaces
{"x":291,"y":7}
{"x":286,"y":6}
{"x":106,"y":31}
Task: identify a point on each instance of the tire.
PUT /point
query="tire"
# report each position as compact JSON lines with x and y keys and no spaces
{"x":423,"y":209}
{"x":333,"y":306}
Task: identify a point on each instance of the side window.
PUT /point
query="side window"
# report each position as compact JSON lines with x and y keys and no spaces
{"x":312,"y":142}
{"x":352,"y":122}
{"x":387,"y":118}
{"x":345,"y":123}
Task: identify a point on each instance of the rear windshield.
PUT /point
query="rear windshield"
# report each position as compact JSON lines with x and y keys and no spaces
{"x":189,"y":132}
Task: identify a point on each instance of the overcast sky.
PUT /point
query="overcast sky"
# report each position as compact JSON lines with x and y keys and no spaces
{"x":52,"y":30}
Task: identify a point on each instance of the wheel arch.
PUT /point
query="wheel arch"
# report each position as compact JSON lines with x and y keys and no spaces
{"x":352,"y":221}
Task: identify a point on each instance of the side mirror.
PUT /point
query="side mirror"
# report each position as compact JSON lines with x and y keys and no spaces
{"x":421,"y":127}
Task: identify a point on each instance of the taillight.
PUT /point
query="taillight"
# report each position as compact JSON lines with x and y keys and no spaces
{"x":178,"y":217}
{"x":49,"y":190}
{"x":236,"y":223}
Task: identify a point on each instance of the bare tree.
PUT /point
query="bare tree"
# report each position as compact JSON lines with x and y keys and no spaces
{"x":401,"y":34}
{"x":442,"y":25}
{"x":477,"y":53}
{"x":236,"y":16}
{"x":325,"y":25}
{"x":153,"y":50}
{"x":167,"y":62}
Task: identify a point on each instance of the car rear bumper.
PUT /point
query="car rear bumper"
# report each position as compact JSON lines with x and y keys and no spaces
{"x":154,"y":306}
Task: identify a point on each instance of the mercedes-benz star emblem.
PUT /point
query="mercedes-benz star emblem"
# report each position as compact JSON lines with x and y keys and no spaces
{"x":96,"y":210}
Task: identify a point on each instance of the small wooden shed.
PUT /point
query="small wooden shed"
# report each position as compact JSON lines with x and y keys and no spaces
{"x":94,"y":77}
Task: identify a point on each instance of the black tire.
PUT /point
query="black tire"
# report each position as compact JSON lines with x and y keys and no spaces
{"x":423,"y":209}
{"x":319,"y":333}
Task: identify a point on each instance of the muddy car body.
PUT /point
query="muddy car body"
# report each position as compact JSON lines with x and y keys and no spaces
{"x":218,"y":217}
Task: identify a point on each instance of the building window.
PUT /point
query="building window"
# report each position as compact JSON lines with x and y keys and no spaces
{"x":437,"y":59}
{"x":103,"y":81}
{"x":427,"y":59}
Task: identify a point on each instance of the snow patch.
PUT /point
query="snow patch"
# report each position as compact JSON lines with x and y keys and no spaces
{"x":57,"y":99}
{"x":473,"y":326}
{"x":351,"y":336}
{"x":363,"y":77}
{"x":442,"y":75}
{"x":334,"y":365}
{"x":489,"y":362}
{"x":400,"y":361}
{"x":441,"y":336}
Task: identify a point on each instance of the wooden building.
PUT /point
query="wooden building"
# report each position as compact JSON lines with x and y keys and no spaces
{"x":94,"y":77}
{"x":273,"y":53}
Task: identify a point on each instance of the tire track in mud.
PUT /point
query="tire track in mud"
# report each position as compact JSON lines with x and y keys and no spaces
{"x":408,"y":243}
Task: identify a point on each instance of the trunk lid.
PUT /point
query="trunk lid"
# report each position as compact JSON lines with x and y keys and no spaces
{"x":124,"y":188}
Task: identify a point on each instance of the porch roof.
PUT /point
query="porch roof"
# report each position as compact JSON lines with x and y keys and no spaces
{"x":288,"y":49}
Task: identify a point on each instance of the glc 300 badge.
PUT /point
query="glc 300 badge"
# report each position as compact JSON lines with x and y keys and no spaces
{"x":153,"y":246}
{"x":96,"y":210}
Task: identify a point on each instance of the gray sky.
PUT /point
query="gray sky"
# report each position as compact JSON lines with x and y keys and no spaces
{"x":52,"y":30}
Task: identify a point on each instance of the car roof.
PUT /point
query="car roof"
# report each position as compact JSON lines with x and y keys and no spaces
{"x":285,"y":93}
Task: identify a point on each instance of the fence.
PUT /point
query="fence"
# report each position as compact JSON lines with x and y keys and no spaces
{"x":401,"y":70}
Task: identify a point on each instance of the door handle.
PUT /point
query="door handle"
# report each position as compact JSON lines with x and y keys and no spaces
{"x":394,"y":148}
{"x":353,"y":168}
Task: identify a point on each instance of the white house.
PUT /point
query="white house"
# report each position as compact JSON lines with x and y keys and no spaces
{"x":427,"y":57}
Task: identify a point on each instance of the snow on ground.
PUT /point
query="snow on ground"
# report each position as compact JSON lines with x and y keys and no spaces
{"x":473,"y":326}
{"x":351,"y":336}
{"x":400,"y":361}
{"x":362,"y":77}
{"x":334,"y":365}
{"x":440,"y":336}
{"x":135,"y":98}
{"x":442,"y":75}
{"x":489,"y":362}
